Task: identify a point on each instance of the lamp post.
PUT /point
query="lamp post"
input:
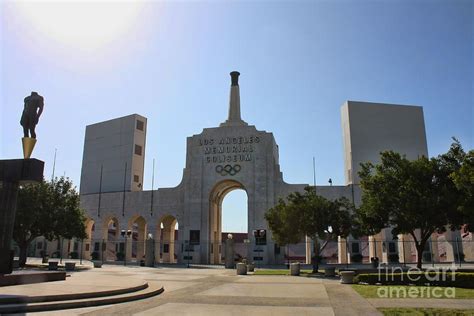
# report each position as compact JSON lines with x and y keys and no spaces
{"x":260,"y":240}
{"x":187,"y":245}
{"x":125,"y":234}
{"x":82,"y":243}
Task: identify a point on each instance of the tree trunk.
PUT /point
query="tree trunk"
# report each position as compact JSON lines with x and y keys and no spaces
{"x":419,"y":258}
{"x":23,"y":250}
{"x":315,"y":257}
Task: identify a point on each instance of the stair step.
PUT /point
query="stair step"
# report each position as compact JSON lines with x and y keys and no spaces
{"x":69,"y":296}
{"x":151,"y":290}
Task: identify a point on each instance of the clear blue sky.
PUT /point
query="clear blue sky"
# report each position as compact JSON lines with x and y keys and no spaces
{"x":171,"y":61}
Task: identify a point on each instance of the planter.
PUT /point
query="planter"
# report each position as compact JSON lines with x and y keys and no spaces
{"x":53,"y":265}
{"x":330,"y":272}
{"x":251,"y":267}
{"x":347,"y":277}
{"x":70,"y":266}
{"x":97,"y":264}
{"x":45,"y":259}
{"x":241,"y":268}
{"x":295,"y":269}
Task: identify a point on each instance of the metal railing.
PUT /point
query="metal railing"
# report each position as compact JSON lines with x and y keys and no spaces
{"x":130,"y":251}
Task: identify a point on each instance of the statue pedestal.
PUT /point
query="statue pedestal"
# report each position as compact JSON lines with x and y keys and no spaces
{"x":28,"y":146}
{"x":13,"y":173}
{"x":229,"y":254}
{"x":150,"y":252}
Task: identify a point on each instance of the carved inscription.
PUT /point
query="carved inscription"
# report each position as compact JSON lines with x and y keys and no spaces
{"x":229,"y":149}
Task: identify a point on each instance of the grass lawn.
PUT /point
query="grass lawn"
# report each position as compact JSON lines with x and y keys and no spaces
{"x":279,"y":272}
{"x":426,"y":312}
{"x":370,"y":291}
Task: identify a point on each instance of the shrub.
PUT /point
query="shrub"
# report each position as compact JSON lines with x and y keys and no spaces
{"x":461,"y":279}
{"x":55,"y":254}
{"x":356,"y":258}
{"x":73,"y":255}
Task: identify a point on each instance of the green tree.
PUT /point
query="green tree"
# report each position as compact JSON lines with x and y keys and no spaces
{"x":464,"y":181}
{"x":309,"y":214}
{"x":49,"y":209}
{"x":415,"y":197}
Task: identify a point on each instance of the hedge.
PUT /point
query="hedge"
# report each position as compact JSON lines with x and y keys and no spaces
{"x":461,"y":279}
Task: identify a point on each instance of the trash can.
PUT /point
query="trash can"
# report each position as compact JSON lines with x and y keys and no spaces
{"x":241,"y":268}
{"x":295,"y":269}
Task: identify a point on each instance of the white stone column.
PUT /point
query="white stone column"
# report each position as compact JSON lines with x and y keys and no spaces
{"x":404,"y":248}
{"x":342,"y":250}
{"x":375,"y":246}
{"x":308,"y":249}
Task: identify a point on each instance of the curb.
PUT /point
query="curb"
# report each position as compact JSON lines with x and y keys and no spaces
{"x":58,"y":305}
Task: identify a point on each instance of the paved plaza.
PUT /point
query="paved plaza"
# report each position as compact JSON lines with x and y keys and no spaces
{"x":217,"y":291}
{"x":213,"y":292}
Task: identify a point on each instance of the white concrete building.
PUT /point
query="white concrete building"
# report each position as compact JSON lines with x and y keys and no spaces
{"x":114,"y":155}
{"x":371,"y":128}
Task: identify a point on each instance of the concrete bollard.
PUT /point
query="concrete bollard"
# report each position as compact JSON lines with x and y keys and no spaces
{"x":347,"y":277}
{"x":97,"y":264}
{"x":53,"y":265}
{"x":295,"y":268}
{"x":70,"y":266}
{"x":241,"y":268}
{"x":330,"y":271}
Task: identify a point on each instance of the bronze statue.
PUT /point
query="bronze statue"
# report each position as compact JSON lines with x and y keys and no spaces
{"x":31,"y":113}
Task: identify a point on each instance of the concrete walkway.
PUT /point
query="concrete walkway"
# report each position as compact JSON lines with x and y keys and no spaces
{"x":221,"y":292}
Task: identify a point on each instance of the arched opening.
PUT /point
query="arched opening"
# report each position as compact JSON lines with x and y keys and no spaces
{"x":217,"y":196}
{"x":111,"y":235}
{"x":167,"y":234}
{"x":136,"y":243}
{"x":235,"y":221}
{"x":87,"y":247}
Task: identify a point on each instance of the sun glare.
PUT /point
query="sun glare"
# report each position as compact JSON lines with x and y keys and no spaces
{"x":80,"y":24}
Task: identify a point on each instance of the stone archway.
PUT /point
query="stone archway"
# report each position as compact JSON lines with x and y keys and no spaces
{"x":111,"y":238}
{"x":165,"y":237}
{"x":87,"y":247}
{"x":136,"y":243}
{"x":220,"y":190}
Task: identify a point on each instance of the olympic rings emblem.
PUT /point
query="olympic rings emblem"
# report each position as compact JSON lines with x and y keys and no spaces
{"x":228,"y":170}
